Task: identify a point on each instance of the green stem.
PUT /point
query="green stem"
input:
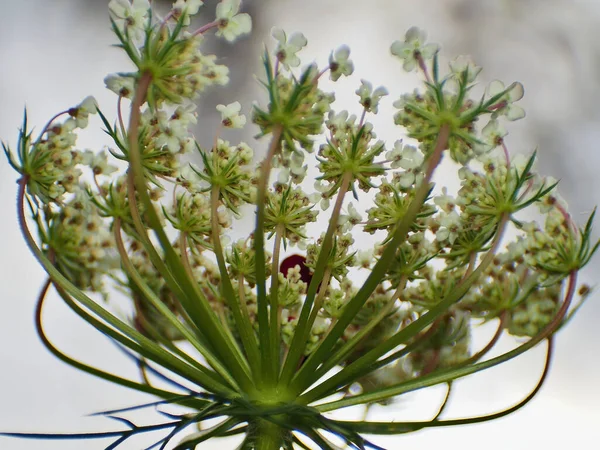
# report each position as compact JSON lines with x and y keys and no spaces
{"x":348,"y":346}
{"x":243,"y":325}
{"x":268,"y":436}
{"x":319,"y":300}
{"x":349,"y":372}
{"x":481,"y":353}
{"x":170,"y":316}
{"x":176,"y":398}
{"x":114,"y":327}
{"x":302,"y":378}
{"x":451,"y":374}
{"x":275,"y":319}
{"x":259,"y":248}
{"x":192,"y":298}
{"x":298,"y":345}
{"x":387,"y":428}
{"x":242,"y":297}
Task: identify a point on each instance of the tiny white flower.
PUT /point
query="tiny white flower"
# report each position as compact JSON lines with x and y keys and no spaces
{"x":288,"y":47}
{"x":122,"y":86}
{"x":364,"y":258}
{"x":492,"y":135}
{"x":353,"y":215}
{"x":187,"y":8}
{"x":411,"y":158}
{"x":185,"y":114}
{"x":172,"y":133}
{"x":464,"y":63}
{"x":297,"y":159}
{"x":82,"y":111}
{"x":505,"y":105}
{"x":340,"y":64}
{"x":98,"y":162}
{"x":245,"y":152}
{"x":450,"y":226}
{"x":224,"y":216}
{"x":407,"y":179}
{"x":412,"y":48}
{"x":315,"y":197}
{"x":187,"y":144}
{"x":189,"y":174}
{"x":283,"y":176}
{"x":168,"y":139}
{"x":230,"y":115}
{"x":444,"y":201}
{"x":404,"y":156}
{"x":323,"y":188}
{"x":298,"y":173}
{"x":369,"y":98}
{"x":517,"y":248}
{"x":132,"y":17}
{"x":340,"y":123}
{"x":395,"y":155}
{"x":230,"y":22}
{"x":552,"y":199}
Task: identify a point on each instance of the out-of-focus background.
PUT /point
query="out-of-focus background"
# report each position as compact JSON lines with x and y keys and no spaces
{"x":54,"y":53}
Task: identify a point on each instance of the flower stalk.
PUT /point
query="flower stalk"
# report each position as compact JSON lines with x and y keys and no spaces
{"x":247,"y":340}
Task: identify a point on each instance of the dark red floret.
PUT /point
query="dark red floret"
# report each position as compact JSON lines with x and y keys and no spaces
{"x":296,"y":260}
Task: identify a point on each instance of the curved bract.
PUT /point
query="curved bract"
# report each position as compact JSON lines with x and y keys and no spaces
{"x":250,"y":339}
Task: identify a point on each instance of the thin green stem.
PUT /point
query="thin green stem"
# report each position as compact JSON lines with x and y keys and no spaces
{"x":170,"y":316}
{"x":116,"y":328}
{"x":194,"y":403}
{"x":320,"y":299}
{"x":275,"y":310}
{"x":242,"y":297}
{"x":444,"y":376}
{"x":185,"y":260}
{"x":298,"y":345}
{"x":481,"y":353}
{"x":267,"y":435}
{"x":384,"y":428}
{"x":192,"y":298}
{"x":259,"y":248}
{"x":349,"y":372}
{"x":348,"y":346}
{"x":378,"y":272}
{"x":243,"y":325}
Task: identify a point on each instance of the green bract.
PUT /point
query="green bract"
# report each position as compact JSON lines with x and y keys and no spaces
{"x":253,"y":340}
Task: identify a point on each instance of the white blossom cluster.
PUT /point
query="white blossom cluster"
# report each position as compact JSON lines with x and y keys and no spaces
{"x":441,"y":255}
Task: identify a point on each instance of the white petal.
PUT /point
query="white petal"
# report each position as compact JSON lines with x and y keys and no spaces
{"x":278,"y":34}
{"x":409,"y":64}
{"x":494,"y":88}
{"x":515,"y":91}
{"x":342,"y":53}
{"x":515,"y":112}
{"x":399,"y":48}
{"x":243,"y":22}
{"x":415,"y":34}
{"x":284,"y":176}
{"x":407,"y":179}
{"x":297,"y":40}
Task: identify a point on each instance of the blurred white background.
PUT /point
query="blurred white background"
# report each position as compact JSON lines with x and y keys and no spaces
{"x":54,"y":53}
